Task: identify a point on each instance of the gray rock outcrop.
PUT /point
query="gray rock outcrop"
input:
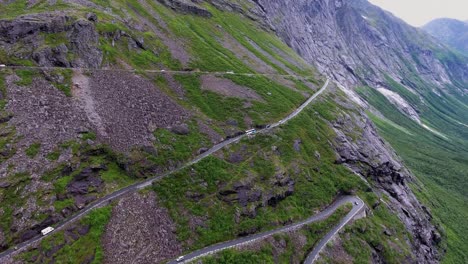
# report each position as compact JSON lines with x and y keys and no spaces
{"x":372,"y":158}
{"x":356,"y":42}
{"x":24,"y":38}
{"x":186,"y":7}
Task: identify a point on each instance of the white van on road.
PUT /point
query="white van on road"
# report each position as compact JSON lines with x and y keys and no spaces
{"x":47,"y":230}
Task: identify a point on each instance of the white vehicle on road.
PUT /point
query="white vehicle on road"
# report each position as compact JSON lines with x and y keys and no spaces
{"x":356,"y":203}
{"x":179,"y":259}
{"x":2,"y":65}
{"x":251,"y":132}
{"x":47,"y":230}
{"x":230,"y":72}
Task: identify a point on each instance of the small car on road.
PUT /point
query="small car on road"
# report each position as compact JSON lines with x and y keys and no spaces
{"x":179,"y":259}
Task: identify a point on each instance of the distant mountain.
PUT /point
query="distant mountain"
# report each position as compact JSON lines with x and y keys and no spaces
{"x":451,"y":31}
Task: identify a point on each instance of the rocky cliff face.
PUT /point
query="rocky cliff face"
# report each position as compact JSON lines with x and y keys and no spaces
{"x":356,"y":42}
{"x":23,"y":37}
{"x":374,"y":159}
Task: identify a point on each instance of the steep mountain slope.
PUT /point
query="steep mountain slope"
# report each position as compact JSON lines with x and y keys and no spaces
{"x":106,"y":116}
{"x":420,"y":105}
{"x":452,"y":32}
{"x":140,"y":87}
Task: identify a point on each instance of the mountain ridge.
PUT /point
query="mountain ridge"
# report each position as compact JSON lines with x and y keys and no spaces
{"x":452,"y":32}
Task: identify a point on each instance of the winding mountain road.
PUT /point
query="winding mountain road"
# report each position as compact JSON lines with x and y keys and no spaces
{"x":141,"y":185}
{"x":357,"y":208}
{"x":357,"y":203}
{"x":149,"y":71}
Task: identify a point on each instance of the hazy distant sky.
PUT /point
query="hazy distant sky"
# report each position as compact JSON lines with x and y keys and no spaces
{"x":419,"y":12}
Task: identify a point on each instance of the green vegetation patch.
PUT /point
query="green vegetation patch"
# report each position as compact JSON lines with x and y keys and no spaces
{"x":77,"y":248}
{"x":437,"y":162}
{"x":33,"y":150}
{"x":53,"y":156}
{"x":244,"y":30}
{"x":55,"y":39}
{"x":11,"y":198}
{"x":15,"y":8}
{"x":289,"y":252}
{"x":26,"y":77}
{"x":382,"y":231}
{"x":10,"y":59}
{"x":201,"y":36}
{"x":65,"y":83}
{"x":6,"y":142}
{"x":211,"y":104}
{"x":3,"y":91}
{"x":85,"y":157}
{"x":115,"y":177}
{"x":8,"y":132}
{"x":173,"y":148}
{"x":140,"y":50}
{"x":194,"y":194}
{"x":204,"y":37}
{"x":279,"y":100}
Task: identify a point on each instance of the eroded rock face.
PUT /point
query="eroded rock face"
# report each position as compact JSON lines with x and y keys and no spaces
{"x":186,"y":7}
{"x":250,"y":198}
{"x":84,"y":41}
{"x":371,"y":157}
{"x":24,"y":37}
{"x":3,"y":244}
{"x":351,"y":40}
{"x":85,"y":186}
{"x":255,"y":10}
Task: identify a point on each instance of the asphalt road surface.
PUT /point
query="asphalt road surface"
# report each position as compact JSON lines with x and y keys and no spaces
{"x":323,"y":242}
{"x":357,"y":203}
{"x":141,"y":185}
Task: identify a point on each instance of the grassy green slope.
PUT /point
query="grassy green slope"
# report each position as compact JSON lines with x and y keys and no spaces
{"x":317,"y":181}
{"x":439,"y":162}
{"x":69,"y":247}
